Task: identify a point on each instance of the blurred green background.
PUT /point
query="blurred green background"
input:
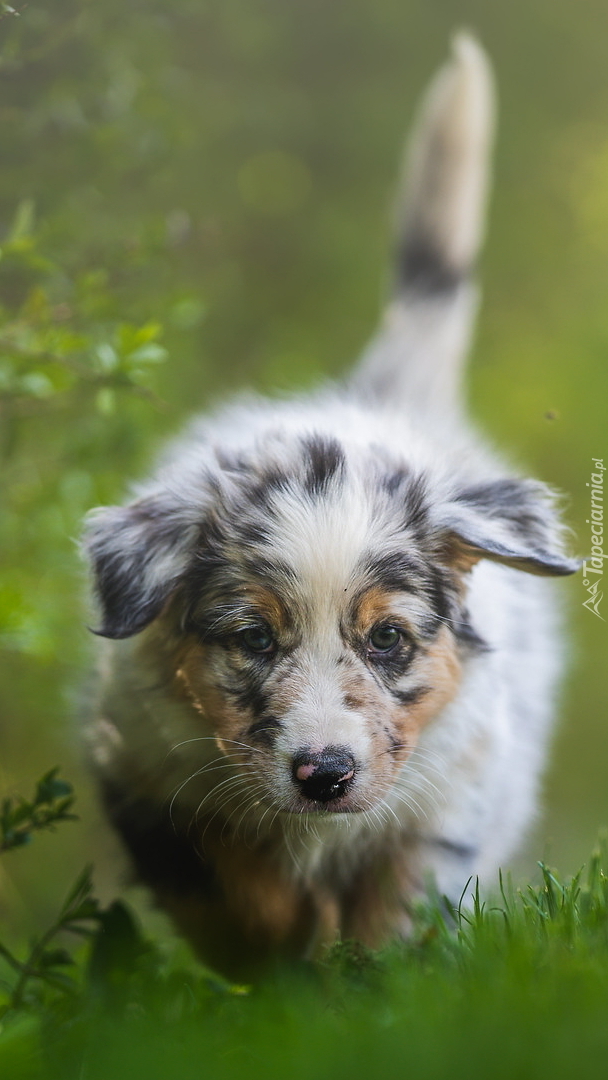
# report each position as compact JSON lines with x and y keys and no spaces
{"x":194,"y":197}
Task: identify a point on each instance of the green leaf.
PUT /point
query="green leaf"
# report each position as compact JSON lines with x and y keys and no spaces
{"x":50,"y":787}
{"x":130,"y":338}
{"x":13,"y":839}
{"x":55,"y":958}
{"x":147,"y":354}
{"x":88,"y":909}
{"x":81,"y":890}
{"x":107,"y":357}
{"x":60,"y":980}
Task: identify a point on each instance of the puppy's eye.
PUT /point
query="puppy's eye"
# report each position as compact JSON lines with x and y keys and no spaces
{"x":384,"y":639}
{"x":258,"y":640}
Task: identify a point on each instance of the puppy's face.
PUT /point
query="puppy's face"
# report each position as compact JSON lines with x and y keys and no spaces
{"x":319,"y":688}
{"x":321,"y":612}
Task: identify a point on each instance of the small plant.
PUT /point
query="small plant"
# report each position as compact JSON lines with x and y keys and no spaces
{"x":20,"y":818}
{"x":46,"y":962}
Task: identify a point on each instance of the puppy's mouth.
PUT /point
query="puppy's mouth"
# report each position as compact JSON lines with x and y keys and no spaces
{"x":341,"y":805}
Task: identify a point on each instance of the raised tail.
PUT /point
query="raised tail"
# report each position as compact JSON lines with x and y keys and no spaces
{"x":417,"y":355}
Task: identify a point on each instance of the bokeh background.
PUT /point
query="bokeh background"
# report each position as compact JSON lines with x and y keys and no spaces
{"x":194,"y":197}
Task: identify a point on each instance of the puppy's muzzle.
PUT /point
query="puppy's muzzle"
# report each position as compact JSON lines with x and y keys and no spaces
{"x":322,"y":777}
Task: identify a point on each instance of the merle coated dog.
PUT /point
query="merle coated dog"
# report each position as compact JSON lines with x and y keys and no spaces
{"x":331,"y":655}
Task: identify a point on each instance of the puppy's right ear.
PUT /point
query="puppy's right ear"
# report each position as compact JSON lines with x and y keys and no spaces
{"x":139,"y":555}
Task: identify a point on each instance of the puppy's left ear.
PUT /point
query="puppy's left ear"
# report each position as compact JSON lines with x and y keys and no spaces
{"x":510,"y":521}
{"x":139,"y":554}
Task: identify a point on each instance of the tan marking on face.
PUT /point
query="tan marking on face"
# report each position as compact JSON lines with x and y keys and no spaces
{"x":438,"y":668}
{"x":374,"y":607}
{"x":400,"y":609}
{"x":195,"y":665}
{"x":269,"y":606}
{"x":436,"y":665}
{"x":193,"y":676}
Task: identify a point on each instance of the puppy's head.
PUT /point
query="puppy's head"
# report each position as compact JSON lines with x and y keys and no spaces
{"x":319,"y":596}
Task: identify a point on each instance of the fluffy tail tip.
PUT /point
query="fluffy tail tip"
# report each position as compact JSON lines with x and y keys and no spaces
{"x":447,"y":172}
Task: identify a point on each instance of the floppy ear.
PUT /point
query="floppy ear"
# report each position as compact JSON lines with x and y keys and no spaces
{"x":513,"y":522}
{"x":139,"y":554}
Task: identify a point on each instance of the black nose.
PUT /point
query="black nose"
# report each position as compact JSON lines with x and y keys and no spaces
{"x":325,"y":776}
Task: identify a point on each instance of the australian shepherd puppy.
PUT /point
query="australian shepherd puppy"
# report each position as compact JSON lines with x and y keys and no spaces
{"x":331,"y":655}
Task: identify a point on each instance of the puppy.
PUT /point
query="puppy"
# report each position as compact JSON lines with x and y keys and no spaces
{"x":331,"y":655}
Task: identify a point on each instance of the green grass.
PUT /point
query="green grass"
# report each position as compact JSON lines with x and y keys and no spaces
{"x":513,"y":986}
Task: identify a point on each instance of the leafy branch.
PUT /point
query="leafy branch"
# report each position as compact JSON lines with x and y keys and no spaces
{"x":58,"y":338}
{"x":46,"y":963}
{"x":20,"y":818}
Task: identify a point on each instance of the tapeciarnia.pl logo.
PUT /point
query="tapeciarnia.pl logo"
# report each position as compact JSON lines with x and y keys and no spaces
{"x":593,"y":569}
